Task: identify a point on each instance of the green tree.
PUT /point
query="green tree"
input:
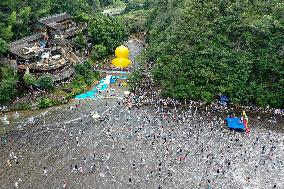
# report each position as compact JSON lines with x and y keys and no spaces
{"x":82,"y":69}
{"x":12,"y":18}
{"x":81,"y":41}
{"x":98,"y":52}
{"x":8,"y":84}
{"x":29,"y":79}
{"x":202,"y":49}
{"x":8,"y":90}
{"x":84,"y":73}
{"x":45,"y":82}
{"x":82,"y":18}
{"x":6,"y":33}
{"x":21,"y":27}
{"x":3,"y":46}
{"x":107,"y":31}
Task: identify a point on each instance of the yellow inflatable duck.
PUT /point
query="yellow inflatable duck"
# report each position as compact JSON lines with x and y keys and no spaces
{"x":122,"y":55}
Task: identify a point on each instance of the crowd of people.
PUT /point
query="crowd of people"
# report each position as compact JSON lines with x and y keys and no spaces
{"x":147,"y":94}
{"x":137,"y":146}
{"x":142,"y":141}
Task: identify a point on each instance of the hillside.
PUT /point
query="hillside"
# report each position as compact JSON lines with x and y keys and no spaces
{"x":204,"y":49}
{"x":17,"y":17}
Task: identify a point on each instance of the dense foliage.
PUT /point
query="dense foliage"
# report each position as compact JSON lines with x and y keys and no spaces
{"x":98,"y":52}
{"x":107,"y":31}
{"x":3,"y":46}
{"x":85,"y":73}
{"x":29,"y":79}
{"x":202,"y":49}
{"x":45,"y":82}
{"x":17,"y":17}
{"x":8,"y":84}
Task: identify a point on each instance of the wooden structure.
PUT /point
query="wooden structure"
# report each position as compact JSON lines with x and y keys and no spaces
{"x":49,"y":50}
{"x":61,"y":28}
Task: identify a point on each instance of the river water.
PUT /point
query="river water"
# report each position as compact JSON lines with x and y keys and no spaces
{"x":136,"y":148}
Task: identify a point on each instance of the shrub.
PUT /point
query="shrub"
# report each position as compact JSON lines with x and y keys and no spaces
{"x":8,"y":84}
{"x":45,"y":102}
{"x":45,"y":82}
{"x":29,"y":79}
{"x":98,"y":52}
{"x":24,"y":106}
{"x":134,"y":79}
{"x":84,"y":73}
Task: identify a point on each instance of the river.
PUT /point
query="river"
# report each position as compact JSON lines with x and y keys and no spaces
{"x":136,"y":148}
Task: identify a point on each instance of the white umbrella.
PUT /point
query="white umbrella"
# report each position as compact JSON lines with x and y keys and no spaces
{"x":96,"y":115}
{"x":126,"y":92}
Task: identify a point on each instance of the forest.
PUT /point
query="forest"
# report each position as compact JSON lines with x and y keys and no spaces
{"x":17,"y":17}
{"x":202,"y":49}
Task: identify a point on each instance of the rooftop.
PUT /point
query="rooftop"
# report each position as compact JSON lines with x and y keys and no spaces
{"x":26,"y":48}
{"x":74,"y":30}
{"x":52,"y":21}
{"x":18,"y":47}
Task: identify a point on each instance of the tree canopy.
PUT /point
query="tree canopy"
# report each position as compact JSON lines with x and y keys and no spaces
{"x":3,"y":46}
{"x":202,"y":49}
{"x":17,"y":17}
{"x":45,"y":82}
{"x":107,"y":31}
{"x":8,"y":84}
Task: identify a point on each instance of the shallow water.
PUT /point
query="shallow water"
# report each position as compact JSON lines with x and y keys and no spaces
{"x":138,"y":148}
{"x":126,"y":148}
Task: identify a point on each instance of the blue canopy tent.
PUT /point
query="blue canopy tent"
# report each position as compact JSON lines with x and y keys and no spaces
{"x":235,"y":123}
{"x":224,"y":99}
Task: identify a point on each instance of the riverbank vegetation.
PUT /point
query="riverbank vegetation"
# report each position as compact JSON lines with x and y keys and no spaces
{"x":135,"y":15}
{"x":106,"y":33}
{"x":8,"y":83}
{"x":204,"y":49}
{"x":84,"y":78}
